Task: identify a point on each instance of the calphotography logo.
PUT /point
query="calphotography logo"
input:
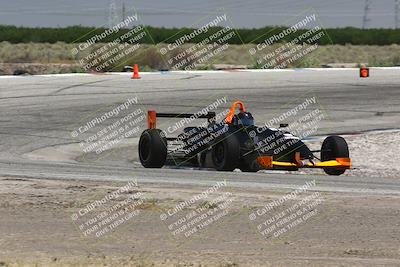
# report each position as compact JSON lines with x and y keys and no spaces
{"x":110,"y":128}
{"x":212,"y":107}
{"x":281,"y":216}
{"x":279,"y":49}
{"x":192,"y":141}
{"x":200,"y":47}
{"x":200,"y":211}
{"x":104,"y":215}
{"x":111,"y":48}
{"x":290,"y":127}
{"x":108,"y":32}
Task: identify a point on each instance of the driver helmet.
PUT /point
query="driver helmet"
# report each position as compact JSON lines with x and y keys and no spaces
{"x":244,"y":118}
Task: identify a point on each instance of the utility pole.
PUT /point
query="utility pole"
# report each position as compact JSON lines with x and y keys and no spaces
{"x":366,"y":11}
{"x":396,"y":14}
{"x":112,"y":13}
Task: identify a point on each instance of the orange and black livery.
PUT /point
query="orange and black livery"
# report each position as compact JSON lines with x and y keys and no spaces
{"x":234,"y":143}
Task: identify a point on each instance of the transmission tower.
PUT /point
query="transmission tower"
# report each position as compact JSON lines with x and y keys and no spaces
{"x":366,"y":12}
{"x":396,"y":14}
{"x":123,"y":11}
{"x":112,"y":14}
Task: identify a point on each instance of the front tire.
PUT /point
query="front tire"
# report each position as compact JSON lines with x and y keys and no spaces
{"x":248,"y":166}
{"x":152,"y":149}
{"x":334,"y":147}
{"x":226,"y":153}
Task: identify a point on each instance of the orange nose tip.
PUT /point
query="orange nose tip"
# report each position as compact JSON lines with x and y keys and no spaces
{"x":345,"y":162}
{"x":265,"y":161}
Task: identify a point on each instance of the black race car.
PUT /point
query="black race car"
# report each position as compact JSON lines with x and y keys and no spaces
{"x":235,"y":142}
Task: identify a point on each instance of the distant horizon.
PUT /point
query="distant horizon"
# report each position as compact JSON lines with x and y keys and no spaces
{"x":170,"y":28}
{"x":180,"y":14}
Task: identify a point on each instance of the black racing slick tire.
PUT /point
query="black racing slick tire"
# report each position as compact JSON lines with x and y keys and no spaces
{"x":225,"y":153}
{"x":152,"y":149}
{"x":334,"y":147}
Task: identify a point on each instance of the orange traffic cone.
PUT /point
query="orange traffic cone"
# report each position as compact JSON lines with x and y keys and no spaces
{"x":135,"y":72}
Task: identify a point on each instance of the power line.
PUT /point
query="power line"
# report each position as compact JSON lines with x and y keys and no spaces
{"x":123,"y":11}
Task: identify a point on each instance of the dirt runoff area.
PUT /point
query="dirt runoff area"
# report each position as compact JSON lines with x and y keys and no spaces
{"x":95,"y":223}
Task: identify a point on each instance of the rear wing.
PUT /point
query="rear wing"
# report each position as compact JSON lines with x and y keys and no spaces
{"x":152,"y":116}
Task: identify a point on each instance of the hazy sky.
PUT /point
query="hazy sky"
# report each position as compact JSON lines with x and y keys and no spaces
{"x":177,"y":13}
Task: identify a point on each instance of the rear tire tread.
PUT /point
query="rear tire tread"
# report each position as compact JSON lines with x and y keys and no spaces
{"x":152,"y":149}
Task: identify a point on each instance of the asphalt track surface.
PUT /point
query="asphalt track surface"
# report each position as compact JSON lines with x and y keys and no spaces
{"x":39,"y":112}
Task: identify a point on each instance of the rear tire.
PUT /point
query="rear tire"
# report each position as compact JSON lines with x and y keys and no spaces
{"x":152,"y":149}
{"x":334,"y":147}
{"x":226,"y":153}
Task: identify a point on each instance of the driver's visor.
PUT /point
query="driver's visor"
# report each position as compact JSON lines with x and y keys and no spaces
{"x":246,"y":121}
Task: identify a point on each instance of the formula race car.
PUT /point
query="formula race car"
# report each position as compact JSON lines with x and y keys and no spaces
{"x":236,"y":143}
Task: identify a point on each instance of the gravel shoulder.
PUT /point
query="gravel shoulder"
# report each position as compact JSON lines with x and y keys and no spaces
{"x":37,"y":229}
